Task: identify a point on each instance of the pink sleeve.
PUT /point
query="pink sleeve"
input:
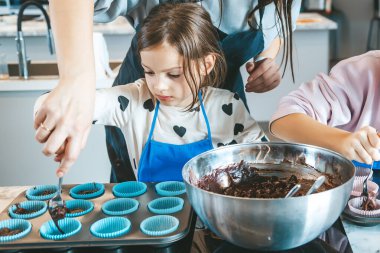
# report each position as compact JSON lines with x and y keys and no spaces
{"x":336,"y":99}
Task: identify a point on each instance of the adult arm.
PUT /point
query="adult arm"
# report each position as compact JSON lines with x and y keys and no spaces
{"x":68,"y":109}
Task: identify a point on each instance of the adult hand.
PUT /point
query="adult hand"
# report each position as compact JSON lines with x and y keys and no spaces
{"x":264,"y":75}
{"x":362,"y":145}
{"x":63,"y":120}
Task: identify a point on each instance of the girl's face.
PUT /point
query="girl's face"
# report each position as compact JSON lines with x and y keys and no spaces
{"x":164,"y":75}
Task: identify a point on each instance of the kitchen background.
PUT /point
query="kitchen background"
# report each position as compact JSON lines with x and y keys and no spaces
{"x":320,"y":41}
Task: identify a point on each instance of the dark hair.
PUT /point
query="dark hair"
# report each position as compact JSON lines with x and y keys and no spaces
{"x":284,"y":15}
{"x":188,"y":28}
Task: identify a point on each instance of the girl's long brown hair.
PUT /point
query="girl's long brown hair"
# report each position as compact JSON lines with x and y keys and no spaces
{"x":188,"y":28}
{"x":284,"y":16}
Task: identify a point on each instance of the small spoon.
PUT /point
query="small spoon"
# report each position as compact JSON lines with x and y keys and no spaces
{"x":318,"y":183}
{"x":293,"y":191}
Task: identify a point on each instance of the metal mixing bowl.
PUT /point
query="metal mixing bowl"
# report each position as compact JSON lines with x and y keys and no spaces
{"x":270,"y":224}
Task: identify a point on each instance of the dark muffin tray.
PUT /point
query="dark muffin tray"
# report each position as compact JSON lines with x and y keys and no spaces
{"x":85,"y":239}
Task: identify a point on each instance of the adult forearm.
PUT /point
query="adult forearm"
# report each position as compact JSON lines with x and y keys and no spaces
{"x":72,"y":28}
{"x":273,"y":49}
{"x":303,"y":129}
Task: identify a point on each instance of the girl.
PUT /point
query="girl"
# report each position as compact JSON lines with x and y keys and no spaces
{"x":247,"y":29}
{"x":176,"y":112}
{"x":339,"y":111}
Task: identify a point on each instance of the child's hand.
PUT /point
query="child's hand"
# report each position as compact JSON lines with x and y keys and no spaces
{"x":362,"y":145}
{"x":264,"y":75}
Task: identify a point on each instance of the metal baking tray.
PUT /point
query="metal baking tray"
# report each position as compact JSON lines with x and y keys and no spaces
{"x":85,"y":239}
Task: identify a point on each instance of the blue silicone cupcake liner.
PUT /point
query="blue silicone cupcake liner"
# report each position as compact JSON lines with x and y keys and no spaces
{"x":129,"y":189}
{"x":75,"y":191}
{"x":38,"y":207}
{"x":170,"y":188}
{"x":35,"y":193}
{"x":166,"y":205}
{"x":121,"y":206}
{"x":85,"y":205}
{"x":159,"y":225}
{"x":111,"y":227}
{"x":23,"y":225}
{"x":70,"y":226}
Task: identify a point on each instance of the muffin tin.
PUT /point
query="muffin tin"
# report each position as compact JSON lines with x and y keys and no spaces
{"x":139,"y":226}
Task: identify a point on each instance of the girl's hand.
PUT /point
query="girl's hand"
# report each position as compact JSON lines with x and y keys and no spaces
{"x":65,"y":114}
{"x":264,"y":75}
{"x":362,"y":145}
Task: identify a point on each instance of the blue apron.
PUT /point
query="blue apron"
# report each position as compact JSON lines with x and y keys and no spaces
{"x":376,"y":165}
{"x":238,"y":48}
{"x":162,"y":161}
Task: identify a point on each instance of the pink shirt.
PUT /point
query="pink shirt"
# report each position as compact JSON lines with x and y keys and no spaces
{"x":348,"y":98}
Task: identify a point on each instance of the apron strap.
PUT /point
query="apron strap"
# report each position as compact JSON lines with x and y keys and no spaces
{"x":205,"y":115}
{"x":154,"y":120}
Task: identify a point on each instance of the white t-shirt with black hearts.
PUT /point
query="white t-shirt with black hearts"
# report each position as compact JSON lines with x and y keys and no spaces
{"x":131,"y":108}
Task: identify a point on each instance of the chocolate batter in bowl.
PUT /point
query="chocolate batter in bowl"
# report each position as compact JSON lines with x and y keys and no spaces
{"x":267,"y":222}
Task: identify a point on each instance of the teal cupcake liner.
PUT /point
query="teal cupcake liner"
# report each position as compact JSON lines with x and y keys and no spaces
{"x":75,"y":192}
{"x":170,"y":188}
{"x":121,"y":206}
{"x":85,"y":205}
{"x":35,"y":193}
{"x":23,"y":225}
{"x":159,"y":225}
{"x":111,"y":227}
{"x":70,"y":226}
{"x":129,"y":189}
{"x":166,"y":205}
{"x":38,"y":207}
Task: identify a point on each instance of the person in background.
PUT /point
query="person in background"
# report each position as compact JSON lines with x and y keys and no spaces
{"x":338,"y":111}
{"x":252,"y":29}
{"x":175,"y":112}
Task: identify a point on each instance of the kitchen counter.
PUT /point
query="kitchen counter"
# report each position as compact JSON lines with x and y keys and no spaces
{"x":306,"y":21}
{"x":362,"y":239}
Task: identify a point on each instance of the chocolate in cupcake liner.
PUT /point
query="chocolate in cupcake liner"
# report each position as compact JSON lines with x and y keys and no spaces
{"x":121,"y":206}
{"x":111,"y":227}
{"x":355,"y":206}
{"x":361,"y":173}
{"x":166,"y":205}
{"x":70,"y":226}
{"x":39,"y":192}
{"x":129,"y":189}
{"x":23,"y":225}
{"x":170,"y":188}
{"x":38,"y":207}
{"x":86,"y":205}
{"x":357,"y":190}
{"x":75,"y":192}
{"x":159,"y":225}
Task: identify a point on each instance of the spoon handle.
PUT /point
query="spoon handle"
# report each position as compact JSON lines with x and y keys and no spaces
{"x":320,"y":180}
{"x":293,"y":191}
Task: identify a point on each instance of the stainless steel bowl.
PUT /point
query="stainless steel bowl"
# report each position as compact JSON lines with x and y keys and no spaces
{"x":270,"y":224}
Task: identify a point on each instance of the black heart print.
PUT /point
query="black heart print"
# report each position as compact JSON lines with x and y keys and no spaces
{"x":124,"y":102}
{"x":236,"y":96}
{"x":227,"y":109}
{"x":238,"y":128}
{"x":195,"y":109}
{"x":222,"y":144}
{"x":179,"y":130}
{"x":149,"y":105}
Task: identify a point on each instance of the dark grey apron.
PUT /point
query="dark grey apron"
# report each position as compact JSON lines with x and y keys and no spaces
{"x":238,"y":49}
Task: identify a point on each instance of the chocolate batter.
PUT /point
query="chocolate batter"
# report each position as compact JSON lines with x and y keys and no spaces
{"x":244,"y":180}
{"x":7,"y":231}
